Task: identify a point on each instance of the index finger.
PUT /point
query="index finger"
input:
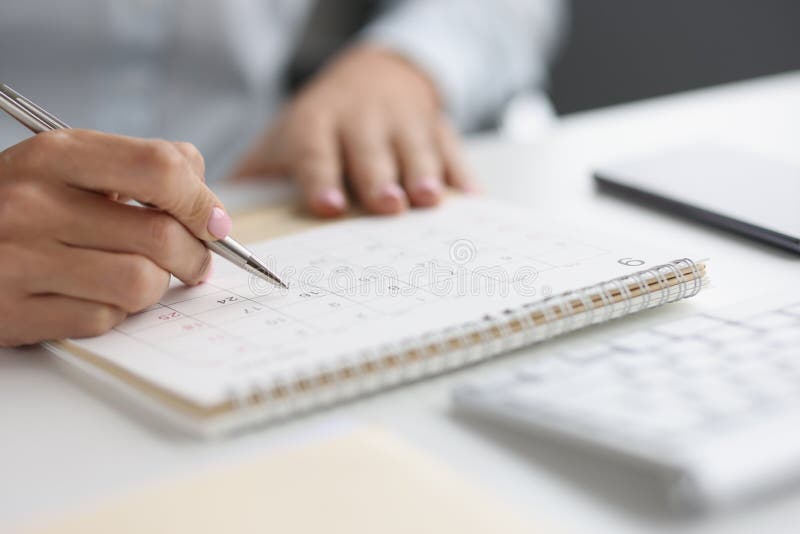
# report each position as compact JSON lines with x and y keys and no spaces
{"x":154,"y":172}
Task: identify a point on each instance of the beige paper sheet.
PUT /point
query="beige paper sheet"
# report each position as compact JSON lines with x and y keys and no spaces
{"x":367,"y":481}
{"x":278,"y":220}
{"x":273,"y":221}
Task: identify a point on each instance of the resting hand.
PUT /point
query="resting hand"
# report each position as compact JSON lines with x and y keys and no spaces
{"x":370,"y":121}
{"x":73,"y":261}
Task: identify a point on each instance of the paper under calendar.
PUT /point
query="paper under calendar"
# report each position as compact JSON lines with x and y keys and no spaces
{"x":373,"y":302}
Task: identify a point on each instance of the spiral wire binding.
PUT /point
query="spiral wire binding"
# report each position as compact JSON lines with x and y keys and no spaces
{"x":433,"y":353}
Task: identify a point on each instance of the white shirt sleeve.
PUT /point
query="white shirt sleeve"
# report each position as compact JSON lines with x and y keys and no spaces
{"x":479,"y":53}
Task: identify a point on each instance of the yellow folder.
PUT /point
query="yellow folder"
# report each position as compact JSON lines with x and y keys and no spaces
{"x":367,"y":481}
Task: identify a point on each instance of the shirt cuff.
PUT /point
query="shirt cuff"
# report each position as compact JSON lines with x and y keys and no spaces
{"x":477,"y":54}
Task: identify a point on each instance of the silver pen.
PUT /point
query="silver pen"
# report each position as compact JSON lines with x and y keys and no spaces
{"x":38,"y":120}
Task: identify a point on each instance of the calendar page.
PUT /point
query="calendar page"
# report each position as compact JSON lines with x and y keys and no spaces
{"x":356,"y":285}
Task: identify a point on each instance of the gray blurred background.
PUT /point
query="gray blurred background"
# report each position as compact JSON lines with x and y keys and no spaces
{"x":622,"y":50}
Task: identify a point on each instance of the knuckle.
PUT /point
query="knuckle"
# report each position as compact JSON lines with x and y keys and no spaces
{"x":48,"y":141}
{"x":38,"y":151}
{"x":312,"y":153}
{"x":164,"y":157}
{"x":200,"y":207}
{"x":141,"y":280}
{"x":193,"y":155}
{"x":188,"y":149}
{"x":164,"y":231}
{"x":24,"y":193}
{"x":312,"y":119}
{"x":18,"y":200}
{"x":34,"y":153}
{"x":167,"y":163}
{"x":366,"y":124}
{"x":101,"y":318}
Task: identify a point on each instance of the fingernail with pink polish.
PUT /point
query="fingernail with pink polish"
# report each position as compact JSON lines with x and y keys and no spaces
{"x":219,"y":224}
{"x":429,"y":188}
{"x":472,"y":188}
{"x":331,"y":199}
{"x":389,"y":194}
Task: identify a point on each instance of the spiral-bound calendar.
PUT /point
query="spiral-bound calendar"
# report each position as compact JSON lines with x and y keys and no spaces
{"x":372,"y":303}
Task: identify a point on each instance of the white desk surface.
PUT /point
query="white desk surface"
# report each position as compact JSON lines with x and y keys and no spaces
{"x":62,"y":445}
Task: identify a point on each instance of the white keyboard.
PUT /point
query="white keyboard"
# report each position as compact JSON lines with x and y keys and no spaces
{"x":712,"y":400}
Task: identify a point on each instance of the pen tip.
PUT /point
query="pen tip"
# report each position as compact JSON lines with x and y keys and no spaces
{"x":256,"y":265}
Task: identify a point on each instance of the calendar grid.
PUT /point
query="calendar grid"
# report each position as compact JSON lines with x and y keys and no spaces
{"x":233,"y":314}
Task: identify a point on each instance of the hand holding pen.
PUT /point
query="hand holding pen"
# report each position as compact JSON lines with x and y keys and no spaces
{"x":74,"y":262}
